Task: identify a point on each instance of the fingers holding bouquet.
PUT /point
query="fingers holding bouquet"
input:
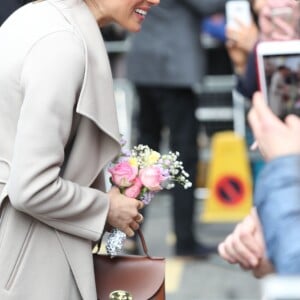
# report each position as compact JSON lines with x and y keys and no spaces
{"x":139,"y":218}
{"x":124,"y":212}
{"x":135,"y":225}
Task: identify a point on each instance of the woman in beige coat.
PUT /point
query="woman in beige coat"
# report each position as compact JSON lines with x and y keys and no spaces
{"x":58,"y":132}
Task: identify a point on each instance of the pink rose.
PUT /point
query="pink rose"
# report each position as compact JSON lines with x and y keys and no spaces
{"x":151,"y":177}
{"x":134,"y":190}
{"x":123,"y":174}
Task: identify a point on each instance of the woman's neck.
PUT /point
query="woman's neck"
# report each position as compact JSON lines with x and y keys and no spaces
{"x":97,"y":11}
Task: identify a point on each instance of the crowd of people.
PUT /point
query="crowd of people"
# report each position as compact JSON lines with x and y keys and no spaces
{"x":263,"y":241}
{"x":58,"y":109}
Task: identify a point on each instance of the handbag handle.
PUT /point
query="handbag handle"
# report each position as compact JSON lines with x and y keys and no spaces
{"x":142,"y":239}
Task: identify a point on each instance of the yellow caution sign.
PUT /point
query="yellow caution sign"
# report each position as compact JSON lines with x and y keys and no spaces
{"x":229,"y":180}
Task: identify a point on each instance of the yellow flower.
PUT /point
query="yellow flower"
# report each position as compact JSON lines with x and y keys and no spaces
{"x":133,"y":161}
{"x":152,"y":158}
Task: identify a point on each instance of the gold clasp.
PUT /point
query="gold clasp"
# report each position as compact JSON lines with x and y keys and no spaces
{"x":120,"y":295}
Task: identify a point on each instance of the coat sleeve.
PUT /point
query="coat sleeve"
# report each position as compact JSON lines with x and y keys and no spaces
{"x":51,"y":81}
{"x":277,"y":199}
{"x":247,"y":83}
{"x":205,"y":7}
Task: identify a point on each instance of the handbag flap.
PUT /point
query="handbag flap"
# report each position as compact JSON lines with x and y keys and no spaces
{"x":141,"y":276}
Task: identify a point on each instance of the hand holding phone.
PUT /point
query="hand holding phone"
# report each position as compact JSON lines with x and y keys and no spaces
{"x":278,"y":66}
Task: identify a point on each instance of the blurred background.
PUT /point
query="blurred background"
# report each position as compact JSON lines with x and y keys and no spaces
{"x":220,"y":109}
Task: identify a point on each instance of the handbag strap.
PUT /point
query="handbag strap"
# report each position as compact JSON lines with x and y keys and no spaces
{"x":144,"y":245}
{"x":143,"y":241}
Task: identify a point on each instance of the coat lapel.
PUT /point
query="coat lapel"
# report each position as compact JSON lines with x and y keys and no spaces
{"x":97,"y":139}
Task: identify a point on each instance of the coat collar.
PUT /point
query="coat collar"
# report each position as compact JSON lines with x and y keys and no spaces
{"x":96,"y":100}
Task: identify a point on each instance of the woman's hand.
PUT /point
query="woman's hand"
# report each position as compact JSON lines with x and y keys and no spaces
{"x":124,"y":212}
{"x":274,"y":137}
{"x":245,"y":246}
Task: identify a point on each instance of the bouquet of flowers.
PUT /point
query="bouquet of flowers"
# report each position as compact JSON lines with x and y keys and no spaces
{"x":141,"y":173}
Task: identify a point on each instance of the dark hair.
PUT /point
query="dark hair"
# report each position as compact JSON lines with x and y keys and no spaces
{"x":282,"y":67}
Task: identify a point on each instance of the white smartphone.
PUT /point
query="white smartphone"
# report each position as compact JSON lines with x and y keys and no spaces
{"x":278,"y":67}
{"x":237,"y":10}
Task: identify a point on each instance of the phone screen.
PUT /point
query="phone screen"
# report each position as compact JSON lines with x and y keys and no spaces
{"x":282,"y":83}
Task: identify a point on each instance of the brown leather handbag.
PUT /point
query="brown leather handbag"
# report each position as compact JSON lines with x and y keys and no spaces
{"x":130,"y":277}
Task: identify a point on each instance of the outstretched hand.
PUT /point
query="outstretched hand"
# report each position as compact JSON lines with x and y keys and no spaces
{"x":245,"y":246}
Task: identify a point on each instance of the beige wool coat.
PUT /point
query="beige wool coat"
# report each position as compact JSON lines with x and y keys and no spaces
{"x":55,"y":84}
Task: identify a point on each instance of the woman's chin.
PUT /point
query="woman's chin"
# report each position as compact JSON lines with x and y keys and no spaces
{"x":133,"y":26}
{"x":135,"y":29}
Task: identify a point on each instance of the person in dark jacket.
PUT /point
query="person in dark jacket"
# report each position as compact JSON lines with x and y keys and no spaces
{"x":165,"y":63}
